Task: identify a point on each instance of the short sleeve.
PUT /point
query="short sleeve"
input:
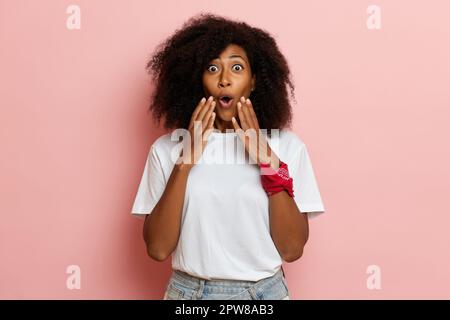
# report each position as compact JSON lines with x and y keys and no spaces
{"x":306,"y":191}
{"x":151,"y":187}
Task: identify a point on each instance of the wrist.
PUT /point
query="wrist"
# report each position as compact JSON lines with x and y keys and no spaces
{"x":183,"y":166}
{"x":274,"y":181}
{"x":272,"y":162}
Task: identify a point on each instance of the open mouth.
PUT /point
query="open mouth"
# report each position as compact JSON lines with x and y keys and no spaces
{"x":225,"y":102}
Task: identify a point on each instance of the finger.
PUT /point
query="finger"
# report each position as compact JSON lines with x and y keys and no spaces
{"x":242,"y":117}
{"x":252,"y":113}
{"x":211,"y":123}
{"x":251,"y":116}
{"x":209,"y":129}
{"x":247,"y":114}
{"x":196,"y":111}
{"x":207,"y":118}
{"x":235,"y":124}
{"x":205,"y":108}
{"x":238,"y":129}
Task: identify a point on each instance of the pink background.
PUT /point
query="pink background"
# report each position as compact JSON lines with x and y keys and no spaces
{"x":373,"y":109}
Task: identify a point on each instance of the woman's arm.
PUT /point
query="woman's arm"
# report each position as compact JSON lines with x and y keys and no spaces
{"x":288,"y":227}
{"x":162,"y":226}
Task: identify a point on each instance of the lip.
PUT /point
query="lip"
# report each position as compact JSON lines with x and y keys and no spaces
{"x":227,"y":105}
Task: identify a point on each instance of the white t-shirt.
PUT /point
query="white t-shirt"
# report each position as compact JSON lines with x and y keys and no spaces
{"x":225,"y":231}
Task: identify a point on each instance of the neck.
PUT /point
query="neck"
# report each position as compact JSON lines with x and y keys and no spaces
{"x":223,"y":125}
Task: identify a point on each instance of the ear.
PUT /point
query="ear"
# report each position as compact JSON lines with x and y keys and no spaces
{"x":253,"y":82}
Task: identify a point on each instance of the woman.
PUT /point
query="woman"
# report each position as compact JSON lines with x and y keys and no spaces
{"x":228,"y":224}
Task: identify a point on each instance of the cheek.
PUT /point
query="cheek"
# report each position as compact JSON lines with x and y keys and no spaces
{"x":207,"y":80}
{"x":207,"y":88}
{"x":245,"y":84}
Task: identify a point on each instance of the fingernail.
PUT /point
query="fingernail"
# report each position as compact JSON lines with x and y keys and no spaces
{"x":203,"y":99}
{"x":210,"y":98}
{"x":233,"y":119}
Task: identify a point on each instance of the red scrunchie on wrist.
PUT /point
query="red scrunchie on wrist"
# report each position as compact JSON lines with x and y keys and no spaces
{"x":278,"y":180}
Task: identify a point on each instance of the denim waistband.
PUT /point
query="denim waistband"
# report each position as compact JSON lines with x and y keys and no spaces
{"x":195,"y":282}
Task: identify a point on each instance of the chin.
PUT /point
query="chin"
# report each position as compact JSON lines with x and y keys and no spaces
{"x":227,"y":116}
{"x":228,"y":119}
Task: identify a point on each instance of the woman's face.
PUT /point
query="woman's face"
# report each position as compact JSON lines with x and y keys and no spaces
{"x":228,"y":75}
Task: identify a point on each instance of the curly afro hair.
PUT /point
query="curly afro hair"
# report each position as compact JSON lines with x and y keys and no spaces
{"x":178,"y":63}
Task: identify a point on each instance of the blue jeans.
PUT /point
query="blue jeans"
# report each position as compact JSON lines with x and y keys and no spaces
{"x":182,"y":286}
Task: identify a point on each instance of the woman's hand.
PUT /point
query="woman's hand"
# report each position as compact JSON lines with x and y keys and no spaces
{"x":251,"y":136}
{"x":203,"y":115}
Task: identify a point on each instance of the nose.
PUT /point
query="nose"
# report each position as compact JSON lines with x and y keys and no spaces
{"x":223,"y":82}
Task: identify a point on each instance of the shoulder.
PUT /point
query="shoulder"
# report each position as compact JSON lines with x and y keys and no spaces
{"x":289,"y":137}
{"x":165,"y":142}
{"x":167,"y":146}
{"x":288,"y":141}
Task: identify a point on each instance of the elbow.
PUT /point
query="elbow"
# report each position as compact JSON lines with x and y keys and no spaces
{"x":156,"y":255}
{"x":293,"y":256}
{"x":152,"y":252}
{"x":159,"y":258}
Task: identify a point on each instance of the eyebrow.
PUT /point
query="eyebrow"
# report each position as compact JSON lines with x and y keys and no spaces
{"x":233,"y":56}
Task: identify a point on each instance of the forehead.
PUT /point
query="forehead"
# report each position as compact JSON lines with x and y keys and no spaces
{"x":232,"y":50}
